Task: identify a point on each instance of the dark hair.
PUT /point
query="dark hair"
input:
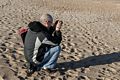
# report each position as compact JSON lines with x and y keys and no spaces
{"x":35,"y":26}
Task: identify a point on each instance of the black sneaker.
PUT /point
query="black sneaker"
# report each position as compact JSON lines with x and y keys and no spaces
{"x":31,"y":69}
{"x":30,"y":72}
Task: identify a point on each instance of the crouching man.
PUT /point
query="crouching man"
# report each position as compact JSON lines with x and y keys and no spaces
{"x":42,"y":44}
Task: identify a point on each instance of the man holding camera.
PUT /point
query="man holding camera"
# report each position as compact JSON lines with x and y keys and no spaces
{"x":42,"y":44}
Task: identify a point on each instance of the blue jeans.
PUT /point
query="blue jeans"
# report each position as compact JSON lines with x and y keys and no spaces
{"x":50,"y":57}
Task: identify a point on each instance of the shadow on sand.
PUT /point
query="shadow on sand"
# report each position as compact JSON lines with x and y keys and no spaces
{"x":91,"y":61}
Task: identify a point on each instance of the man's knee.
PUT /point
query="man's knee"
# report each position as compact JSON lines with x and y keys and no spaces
{"x":56,"y":49}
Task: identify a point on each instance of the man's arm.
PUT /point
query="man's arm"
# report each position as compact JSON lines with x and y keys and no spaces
{"x":56,"y":37}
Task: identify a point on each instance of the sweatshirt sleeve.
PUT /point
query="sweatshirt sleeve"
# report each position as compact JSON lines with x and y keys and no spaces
{"x":57,"y":37}
{"x":54,"y":39}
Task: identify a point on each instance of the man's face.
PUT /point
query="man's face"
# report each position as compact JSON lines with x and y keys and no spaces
{"x":48,"y":24}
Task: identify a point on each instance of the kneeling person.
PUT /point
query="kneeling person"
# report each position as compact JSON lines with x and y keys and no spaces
{"x":41,"y":46}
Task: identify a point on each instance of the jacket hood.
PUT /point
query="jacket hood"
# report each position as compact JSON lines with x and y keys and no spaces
{"x":36,"y":26}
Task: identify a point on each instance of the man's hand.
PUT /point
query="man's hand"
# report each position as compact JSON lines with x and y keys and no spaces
{"x":58,"y":26}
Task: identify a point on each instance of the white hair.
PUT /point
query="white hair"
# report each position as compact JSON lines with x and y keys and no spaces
{"x":46,"y":17}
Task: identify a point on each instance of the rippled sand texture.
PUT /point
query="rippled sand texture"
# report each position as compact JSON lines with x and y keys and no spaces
{"x":91,"y":38}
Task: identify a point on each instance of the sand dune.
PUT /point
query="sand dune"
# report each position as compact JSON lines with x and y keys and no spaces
{"x":91,"y":38}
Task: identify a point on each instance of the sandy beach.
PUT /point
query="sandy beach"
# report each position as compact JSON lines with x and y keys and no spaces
{"x":90,"y":45}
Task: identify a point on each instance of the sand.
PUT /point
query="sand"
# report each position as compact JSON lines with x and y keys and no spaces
{"x":90,"y":45}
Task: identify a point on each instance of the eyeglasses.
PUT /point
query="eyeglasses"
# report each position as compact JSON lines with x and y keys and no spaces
{"x":49,"y":21}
